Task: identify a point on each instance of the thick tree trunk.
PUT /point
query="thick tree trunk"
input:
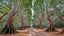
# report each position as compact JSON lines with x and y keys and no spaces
{"x":50,"y":27}
{"x":9,"y":27}
{"x":9,"y":23}
{"x":56,"y":12}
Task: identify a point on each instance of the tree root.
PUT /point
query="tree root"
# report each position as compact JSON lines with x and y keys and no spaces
{"x":8,"y":30}
{"x":62,"y":32}
{"x":51,"y":29}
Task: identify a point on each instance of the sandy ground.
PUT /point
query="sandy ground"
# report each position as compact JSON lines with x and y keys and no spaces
{"x":38,"y":32}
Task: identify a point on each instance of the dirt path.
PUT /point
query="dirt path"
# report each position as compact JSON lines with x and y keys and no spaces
{"x":33,"y":32}
{"x":27,"y":32}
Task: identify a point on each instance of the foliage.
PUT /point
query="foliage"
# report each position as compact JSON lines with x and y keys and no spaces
{"x":38,"y":7}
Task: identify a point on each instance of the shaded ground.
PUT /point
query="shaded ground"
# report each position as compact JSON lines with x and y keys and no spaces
{"x":36,"y":32}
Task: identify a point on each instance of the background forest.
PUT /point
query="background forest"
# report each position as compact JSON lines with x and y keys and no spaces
{"x":20,"y":14}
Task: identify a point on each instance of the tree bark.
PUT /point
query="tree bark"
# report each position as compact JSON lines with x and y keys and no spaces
{"x":50,"y":27}
{"x":9,"y":28}
{"x":56,"y":12}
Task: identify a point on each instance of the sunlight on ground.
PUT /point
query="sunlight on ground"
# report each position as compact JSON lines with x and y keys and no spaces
{"x":37,"y":32}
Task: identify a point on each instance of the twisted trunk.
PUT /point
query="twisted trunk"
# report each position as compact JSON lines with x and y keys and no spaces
{"x":55,"y":11}
{"x":9,"y":23}
{"x":50,"y":27}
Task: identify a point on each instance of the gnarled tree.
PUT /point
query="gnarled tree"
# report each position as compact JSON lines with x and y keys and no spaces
{"x":8,"y":28}
{"x":50,"y":27}
{"x":56,"y":12}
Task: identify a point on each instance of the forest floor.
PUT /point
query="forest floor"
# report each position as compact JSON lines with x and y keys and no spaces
{"x":36,"y":32}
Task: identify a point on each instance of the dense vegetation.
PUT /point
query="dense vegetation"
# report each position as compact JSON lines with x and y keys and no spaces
{"x":20,"y":14}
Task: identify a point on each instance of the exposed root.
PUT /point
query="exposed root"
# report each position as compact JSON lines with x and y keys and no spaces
{"x":62,"y":32}
{"x":8,"y":30}
{"x":51,"y":29}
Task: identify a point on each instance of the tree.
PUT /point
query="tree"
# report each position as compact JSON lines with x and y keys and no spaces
{"x":38,"y":13}
{"x":56,"y":12}
{"x":50,"y":27}
{"x":9,"y":23}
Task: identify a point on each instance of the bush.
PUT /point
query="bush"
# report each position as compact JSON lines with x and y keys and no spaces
{"x":58,"y":24}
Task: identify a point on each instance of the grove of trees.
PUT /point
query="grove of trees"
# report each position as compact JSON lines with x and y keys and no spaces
{"x":20,"y":14}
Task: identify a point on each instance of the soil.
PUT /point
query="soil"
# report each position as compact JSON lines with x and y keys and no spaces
{"x":39,"y":32}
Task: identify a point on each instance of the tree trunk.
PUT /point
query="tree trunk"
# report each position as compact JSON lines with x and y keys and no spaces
{"x":22,"y":22}
{"x":40,"y":24}
{"x":23,"y":19}
{"x":50,"y":27}
{"x":9,"y":27}
{"x":38,"y":20}
{"x":56,"y":12}
{"x":9,"y":23}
